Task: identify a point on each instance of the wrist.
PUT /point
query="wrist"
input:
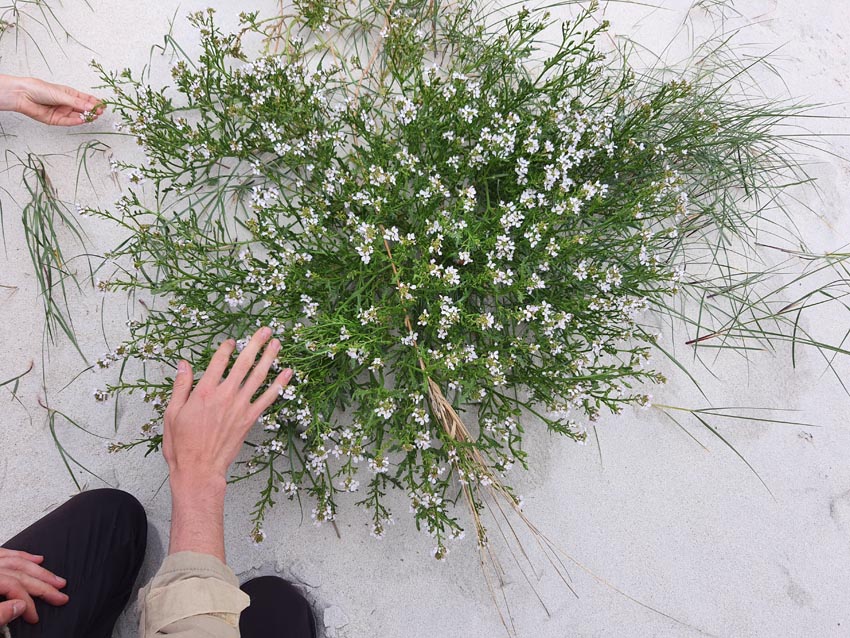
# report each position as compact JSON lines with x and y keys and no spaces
{"x":9,"y":85}
{"x":196,"y":486}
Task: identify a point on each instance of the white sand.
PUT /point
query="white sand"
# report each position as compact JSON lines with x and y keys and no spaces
{"x":688,"y":531}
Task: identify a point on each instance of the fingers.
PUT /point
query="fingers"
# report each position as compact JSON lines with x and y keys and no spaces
{"x":24,"y":566}
{"x":212,"y":377}
{"x":35,"y":558}
{"x":182,"y":387}
{"x":218,"y":364}
{"x":73,"y":119}
{"x":11,"y":589}
{"x":38,"y":588}
{"x":75,"y":99}
{"x":270,"y":395}
{"x":246,"y":359}
{"x":261,"y":370}
{"x":52,"y":115}
{"x":10,"y":610}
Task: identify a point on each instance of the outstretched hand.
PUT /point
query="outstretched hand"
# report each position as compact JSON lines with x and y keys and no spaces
{"x":49,"y":103}
{"x":205,"y":428}
{"x":204,"y":431}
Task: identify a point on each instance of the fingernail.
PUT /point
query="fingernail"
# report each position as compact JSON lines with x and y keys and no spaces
{"x":62,"y":582}
{"x":266,"y":332}
{"x":182,"y":367}
{"x":17,"y":609}
{"x":287,"y":375}
{"x":275,"y":345}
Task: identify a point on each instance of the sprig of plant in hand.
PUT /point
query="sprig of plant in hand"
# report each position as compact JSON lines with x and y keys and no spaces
{"x":48,"y":103}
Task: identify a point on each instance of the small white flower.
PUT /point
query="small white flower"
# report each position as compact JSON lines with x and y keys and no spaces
{"x":503,"y":277}
{"x":410,"y":339}
{"x":235,"y":298}
{"x":440,"y":552}
{"x":451,"y":276}
{"x":322,"y":513}
{"x":379,"y":465}
{"x":392,"y":234}
{"x":349,"y":484}
{"x":386,"y":408}
{"x":379,"y":527}
{"x":406,"y":110}
{"x":422,"y":440}
{"x":580,"y":272}
{"x":370,"y":315}
{"x":310,"y":307}
{"x":468,"y":113}
{"x":420,"y":415}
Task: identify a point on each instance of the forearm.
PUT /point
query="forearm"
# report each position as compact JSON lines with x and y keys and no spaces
{"x":197,"y":516}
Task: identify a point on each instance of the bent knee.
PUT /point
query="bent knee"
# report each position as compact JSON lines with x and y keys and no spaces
{"x":118,"y":502}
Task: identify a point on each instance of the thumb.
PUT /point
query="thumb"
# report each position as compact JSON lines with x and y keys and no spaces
{"x":182,"y":385}
{"x":11,"y":609}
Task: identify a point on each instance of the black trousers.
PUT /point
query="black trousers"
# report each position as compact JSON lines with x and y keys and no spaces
{"x":96,"y":541}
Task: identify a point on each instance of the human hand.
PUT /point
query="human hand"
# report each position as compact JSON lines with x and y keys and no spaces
{"x":205,"y":428}
{"x":48,"y":103}
{"x":21,"y":579}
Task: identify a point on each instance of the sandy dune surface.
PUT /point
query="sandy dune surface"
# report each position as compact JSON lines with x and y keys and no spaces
{"x":684,"y":528}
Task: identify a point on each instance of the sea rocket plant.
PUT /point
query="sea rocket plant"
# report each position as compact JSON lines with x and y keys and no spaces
{"x":449,"y":231}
